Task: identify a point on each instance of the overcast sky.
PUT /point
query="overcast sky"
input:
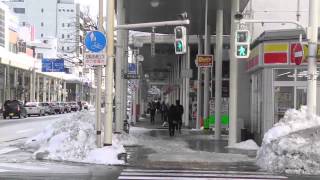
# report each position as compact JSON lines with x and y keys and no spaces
{"x":93,"y":4}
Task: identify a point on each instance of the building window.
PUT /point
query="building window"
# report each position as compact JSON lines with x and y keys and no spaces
{"x":63,"y":10}
{"x":62,"y":24}
{"x":41,"y":35}
{"x":62,"y":48}
{"x":2,"y":28}
{"x":42,"y":24}
{"x":71,"y":10}
{"x":67,"y":10}
{"x":69,"y":25}
{"x":40,"y":56}
{"x":68,"y":35}
{"x":59,"y":10}
{"x":19,"y":10}
{"x":23,"y":23}
{"x":42,"y":10}
{"x":68,"y":48}
{"x":62,"y":36}
{"x":284,"y":74}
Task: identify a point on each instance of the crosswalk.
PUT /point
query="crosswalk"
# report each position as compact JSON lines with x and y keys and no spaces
{"x":157,"y":174}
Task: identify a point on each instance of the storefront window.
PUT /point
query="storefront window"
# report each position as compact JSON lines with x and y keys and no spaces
{"x":302,"y":74}
{"x":284,"y":74}
{"x":283,"y":100}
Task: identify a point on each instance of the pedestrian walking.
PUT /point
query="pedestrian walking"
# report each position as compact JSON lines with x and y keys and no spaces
{"x":172,"y":119}
{"x":152,"y":112}
{"x":179,"y":113}
{"x":164,"y":110}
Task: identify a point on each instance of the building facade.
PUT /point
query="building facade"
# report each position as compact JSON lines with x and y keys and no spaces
{"x":52,"y":18}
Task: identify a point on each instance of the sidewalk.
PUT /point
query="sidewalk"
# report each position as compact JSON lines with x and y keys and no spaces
{"x":192,"y":149}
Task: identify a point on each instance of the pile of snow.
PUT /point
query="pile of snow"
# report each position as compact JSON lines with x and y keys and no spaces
{"x":74,"y":139}
{"x":245,"y":145}
{"x":292,"y":145}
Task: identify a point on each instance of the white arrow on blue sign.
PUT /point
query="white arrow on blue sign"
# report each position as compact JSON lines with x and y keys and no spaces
{"x":95,"y":41}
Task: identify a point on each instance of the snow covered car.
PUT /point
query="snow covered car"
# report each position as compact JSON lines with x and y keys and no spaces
{"x":35,"y":108}
{"x":48,"y":108}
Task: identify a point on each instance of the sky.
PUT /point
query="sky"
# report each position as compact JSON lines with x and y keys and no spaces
{"x":93,"y":4}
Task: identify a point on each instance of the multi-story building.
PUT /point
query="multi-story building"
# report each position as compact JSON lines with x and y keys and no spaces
{"x":52,"y":18}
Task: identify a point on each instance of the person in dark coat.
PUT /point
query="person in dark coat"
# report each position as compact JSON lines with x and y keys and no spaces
{"x":164,"y":111}
{"x":179,"y":113}
{"x":152,"y":112}
{"x":172,"y":119}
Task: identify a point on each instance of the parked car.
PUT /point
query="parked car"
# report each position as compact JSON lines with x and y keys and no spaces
{"x":49,"y":109}
{"x":58,"y":108}
{"x":35,"y":108}
{"x":13,"y":108}
{"x":74,"y":106}
{"x":67,"y":107}
{"x":85,"y":105}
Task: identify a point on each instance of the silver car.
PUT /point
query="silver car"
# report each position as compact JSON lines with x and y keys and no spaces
{"x":35,"y":108}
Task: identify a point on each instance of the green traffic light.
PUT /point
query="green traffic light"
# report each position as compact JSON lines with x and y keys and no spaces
{"x":179,"y":46}
{"x":242,"y":50}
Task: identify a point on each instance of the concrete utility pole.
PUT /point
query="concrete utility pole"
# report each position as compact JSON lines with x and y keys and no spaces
{"x":199,"y":86}
{"x":233,"y":109}
{"x":119,"y":62}
{"x":218,"y":70}
{"x":312,"y":59}
{"x":109,"y":75}
{"x":187,"y":88}
{"x":99,"y":83}
{"x":206,"y":70}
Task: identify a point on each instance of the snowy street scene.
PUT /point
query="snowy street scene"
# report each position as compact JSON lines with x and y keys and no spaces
{"x":159,"y":90}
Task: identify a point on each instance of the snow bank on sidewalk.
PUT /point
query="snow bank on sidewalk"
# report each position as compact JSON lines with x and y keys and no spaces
{"x":292,"y":145}
{"x":73,"y":139}
{"x":245,"y":145}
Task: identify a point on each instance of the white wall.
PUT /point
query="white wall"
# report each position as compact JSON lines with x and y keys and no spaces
{"x":34,"y":15}
{"x":67,"y":16}
{"x":276,"y":10}
{"x":7,"y":22}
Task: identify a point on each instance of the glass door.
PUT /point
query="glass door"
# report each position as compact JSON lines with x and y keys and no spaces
{"x":283,"y":100}
{"x":301,"y":97}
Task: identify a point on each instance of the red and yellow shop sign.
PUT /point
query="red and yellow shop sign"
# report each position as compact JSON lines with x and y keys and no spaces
{"x":276,"y":53}
{"x":306,"y":52}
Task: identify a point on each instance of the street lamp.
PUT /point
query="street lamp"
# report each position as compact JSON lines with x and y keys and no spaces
{"x":154,"y":3}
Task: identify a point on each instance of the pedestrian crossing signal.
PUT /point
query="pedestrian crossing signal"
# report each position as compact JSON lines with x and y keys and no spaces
{"x":180,"y":39}
{"x":242,"y":43}
{"x":179,"y":46}
{"x":243,"y":51}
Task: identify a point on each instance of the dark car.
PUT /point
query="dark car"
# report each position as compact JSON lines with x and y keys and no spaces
{"x":13,"y":108}
{"x":74,"y":106}
{"x":67,"y":107}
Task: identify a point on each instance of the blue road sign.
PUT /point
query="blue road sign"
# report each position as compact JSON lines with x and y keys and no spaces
{"x":95,"y":41}
{"x":52,"y":65}
{"x":132,"y":68}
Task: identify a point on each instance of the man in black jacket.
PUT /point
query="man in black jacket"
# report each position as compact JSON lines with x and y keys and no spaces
{"x":172,"y":119}
{"x":179,"y":113}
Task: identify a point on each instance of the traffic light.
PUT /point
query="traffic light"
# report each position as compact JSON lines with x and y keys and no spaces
{"x":180,"y":44}
{"x":242,"y":44}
